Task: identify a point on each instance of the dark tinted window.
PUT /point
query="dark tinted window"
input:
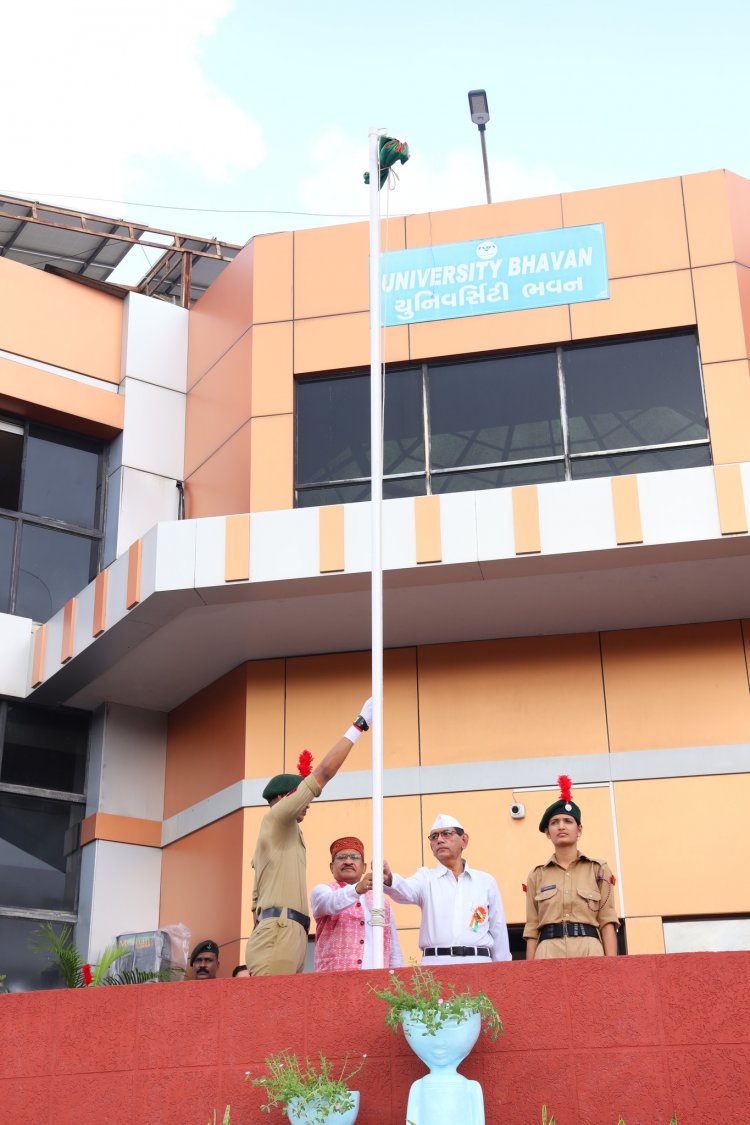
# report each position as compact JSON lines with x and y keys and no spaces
{"x":25,"y":970}
{"x":11,"y":452}
{"x":639,"y":392}
{"x":651,"y":461}
{"x":44,"y":750}
{"x":34,"y":870}
{"x":61,"y":480}
{"x":475,"y":479}
{"x":494,"y":410}
{"x":7,"y":536}
{"x":54,"y":566}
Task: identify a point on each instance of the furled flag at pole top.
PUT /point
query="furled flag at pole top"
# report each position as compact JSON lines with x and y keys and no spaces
{"x":390,"y":151}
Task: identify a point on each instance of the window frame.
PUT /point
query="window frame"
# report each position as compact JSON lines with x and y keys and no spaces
{"x":20,"y":519}
{"x":566,"y":458}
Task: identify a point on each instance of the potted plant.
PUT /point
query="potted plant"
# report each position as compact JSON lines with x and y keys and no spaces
{"x":441,"y":1026}
{"x":60,"y":949}
{"x":308,"y":1093}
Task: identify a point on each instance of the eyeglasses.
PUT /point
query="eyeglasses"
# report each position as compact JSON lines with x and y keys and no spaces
{"x":346,"y":855}
{"x":445,"y":834}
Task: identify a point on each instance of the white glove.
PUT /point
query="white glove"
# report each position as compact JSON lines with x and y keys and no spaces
{"x":366,"y":711}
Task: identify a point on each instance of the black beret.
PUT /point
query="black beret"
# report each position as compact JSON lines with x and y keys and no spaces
{"x":560,"y":806}
{"x":207,"y":946}
{"x":280,"y":785}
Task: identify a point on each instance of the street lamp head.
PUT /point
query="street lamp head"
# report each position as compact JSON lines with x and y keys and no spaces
{"x":480,"y":111}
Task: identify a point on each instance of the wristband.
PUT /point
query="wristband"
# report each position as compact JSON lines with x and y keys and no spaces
{"x":353,"y":733}
{"x":361,"y":723}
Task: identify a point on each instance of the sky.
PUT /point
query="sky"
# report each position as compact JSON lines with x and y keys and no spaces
{"x":228,"y":118}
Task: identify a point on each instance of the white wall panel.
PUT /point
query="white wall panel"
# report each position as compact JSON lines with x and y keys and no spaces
{"x":495,"y":524}
{"x":678,"y":506}
{"x":458,"y":527}
{"x":155,"y":342}
{"x":82,"y":637}
{"x":576,"y":516}
{"x":357,"y":551}
{"x":53,"y":648}
{"x":126,"y":763}
{"x":399,"y":534}
{"x":125,"y":881}
{"x":145,"y":500}
{"x":175,"y":555}
{"x":284,"y":545}
{"x":154,"y":434}
{"x":210,"y":541}
{"x":16,"y":649}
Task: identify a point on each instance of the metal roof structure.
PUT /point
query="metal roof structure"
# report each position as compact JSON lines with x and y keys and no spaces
{"x":88,"y":247}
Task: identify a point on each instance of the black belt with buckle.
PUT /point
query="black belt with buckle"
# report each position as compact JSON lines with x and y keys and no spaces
{"x":276,"y":911}
{"x":568,"y":929}
{"x":458,"y":951}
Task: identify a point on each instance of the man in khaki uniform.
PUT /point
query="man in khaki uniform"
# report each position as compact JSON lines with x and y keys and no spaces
{"x":278,"y":943}
{"x":570,"y":908}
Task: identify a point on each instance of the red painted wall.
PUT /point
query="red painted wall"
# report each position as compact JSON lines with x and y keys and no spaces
{"x":641,"y":1036}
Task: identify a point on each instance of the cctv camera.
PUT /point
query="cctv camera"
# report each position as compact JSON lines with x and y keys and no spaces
{"x":518,"y":812}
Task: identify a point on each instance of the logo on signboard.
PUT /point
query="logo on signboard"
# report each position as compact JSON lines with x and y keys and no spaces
{"x":486,"y":250}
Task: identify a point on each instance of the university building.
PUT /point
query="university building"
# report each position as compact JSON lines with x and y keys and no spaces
{"x":185,"y":557}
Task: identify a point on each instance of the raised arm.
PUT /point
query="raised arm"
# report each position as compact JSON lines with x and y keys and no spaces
{"x":338,"y":753}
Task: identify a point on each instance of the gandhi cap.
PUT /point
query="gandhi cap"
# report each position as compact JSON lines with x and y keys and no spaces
{"x":443,"y":820}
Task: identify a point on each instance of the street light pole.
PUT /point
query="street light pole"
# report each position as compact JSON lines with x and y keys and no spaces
{"x":480,"y":115}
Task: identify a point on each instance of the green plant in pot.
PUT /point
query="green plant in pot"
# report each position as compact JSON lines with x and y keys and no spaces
{"x":309,"y":1093}
{"x":433,"y":1004}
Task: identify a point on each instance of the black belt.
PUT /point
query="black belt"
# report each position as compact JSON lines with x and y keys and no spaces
{"x":458,"y":951}
{"x":275,"y":912}
{"x":568,"y":929}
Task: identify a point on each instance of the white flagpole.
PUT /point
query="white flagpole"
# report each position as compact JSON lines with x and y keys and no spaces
{"x":376,"y":505}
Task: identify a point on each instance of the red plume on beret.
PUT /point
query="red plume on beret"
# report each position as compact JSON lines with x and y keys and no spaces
{"x":565,"y":786}
{"x":304,"y":765}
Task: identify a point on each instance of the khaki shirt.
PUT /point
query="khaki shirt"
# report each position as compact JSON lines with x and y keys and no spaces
{"x":583,"y":892}
{"x":280,"y":857}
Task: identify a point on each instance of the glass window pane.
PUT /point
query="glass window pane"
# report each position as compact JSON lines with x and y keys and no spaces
{"x":61,"y":480}
{"x":494,"y":410}
{"x":54,"y":566}
{"x":333,"y":494}
{"x":476,"y":479}
{"x":653,"y":461}
{"x":25,"y":970}
{"x":333,"y":427}
{"x":7,"y":539}
{"x":638,"y":392}
{"x":44,"y":749}
{"x":34,"y":870}
{"x":11,"y":452}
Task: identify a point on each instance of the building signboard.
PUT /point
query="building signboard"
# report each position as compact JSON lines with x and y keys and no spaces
{"x":519,"y":271}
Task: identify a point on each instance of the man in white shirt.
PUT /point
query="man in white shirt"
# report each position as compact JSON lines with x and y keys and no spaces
{"x":341,"y":909}
{"x":463,"y":921}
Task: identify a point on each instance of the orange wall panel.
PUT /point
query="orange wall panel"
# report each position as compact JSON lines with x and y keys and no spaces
{"x":743,"y":285}
{"x":221,"y":485}
{"x":60,"y":322}
{"x":467,"y":224}
{"x":637,"y":304}
{"x":264,"y":726}
{"x":331,"y":343}
{"x":206,"y":743}
{"x":719,"y":313}
{"x":679,"y":840}
{"x":708,"y":220}
{"x":201,"y":880}
{"x":331,"y":267}
{"x":683,"y":685}
{"x":644,"y":225}
{"x":51,"y":398}
{"x":272,"y":383}
{"x":521,"y":698}
{"x":221,"y":315}
{"x":218,"y":404}
{"x":464,"y":335}
{"x":727,"y":387}
{"x":322,"y":697}
{"x":272,"y":463}
{"x":738,"y":193}
{"x":273,"y":296}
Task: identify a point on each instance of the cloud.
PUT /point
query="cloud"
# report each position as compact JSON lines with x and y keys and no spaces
{"x":103,"y":93}
{"x":337,"y":162}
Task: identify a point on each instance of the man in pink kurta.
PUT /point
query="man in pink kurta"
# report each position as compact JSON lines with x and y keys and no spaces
{"x":342,"y":908}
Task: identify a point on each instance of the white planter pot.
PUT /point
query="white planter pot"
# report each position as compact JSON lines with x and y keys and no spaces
{"x":316,"y":1112}
{"x":444,"y":1097}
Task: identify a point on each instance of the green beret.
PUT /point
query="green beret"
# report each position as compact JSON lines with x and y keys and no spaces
{"x":204,"y":947}
{"x":560,"y":806}
{"x":280,"y":785}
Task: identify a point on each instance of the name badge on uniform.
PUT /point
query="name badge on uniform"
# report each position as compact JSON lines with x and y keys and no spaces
{"x":549,"y":887}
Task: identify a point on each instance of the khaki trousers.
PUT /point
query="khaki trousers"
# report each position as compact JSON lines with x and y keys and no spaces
{"x":568,"y":947}
{"x":276,"y":946}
